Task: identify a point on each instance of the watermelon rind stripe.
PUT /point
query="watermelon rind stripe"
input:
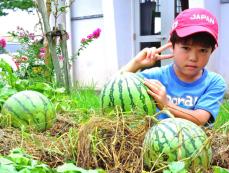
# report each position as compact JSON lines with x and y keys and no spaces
{"x":28,"y":98}
{"x":10,"y":109}
{"x":190,"y":138}
{"x":130,"y":95}
{"x":142,"y":96}
{"x":153,"y":106}
{"x":150,"y":99}
{"x":163,"y":136}
{"x":157,"y":137}
{"x":120,"y":95}
{"x":166,"y":138}
{"x":45,"y":110}
{"x":111,"y":103}
{"x":103,"y":95}
{"x":25,"y":109}
{"x":200,"y":137}
{"x":31,"y":109}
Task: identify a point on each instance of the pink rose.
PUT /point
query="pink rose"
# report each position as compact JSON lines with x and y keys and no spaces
{"x":32,"y":36}
{"x":96,"y":33}
{"x":42,"y":50}
{"x":83,"y":40}
{"x":3,"y":43}
{"x":90,"y":36}
{"x":41,"y":55}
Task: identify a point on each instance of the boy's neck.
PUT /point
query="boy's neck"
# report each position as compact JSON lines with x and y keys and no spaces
{"x":186,"y":78}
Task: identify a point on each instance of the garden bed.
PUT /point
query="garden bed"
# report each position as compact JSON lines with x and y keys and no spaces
{"x":114,"y":144}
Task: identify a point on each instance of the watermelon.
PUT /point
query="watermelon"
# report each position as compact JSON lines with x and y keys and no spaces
{"x":30,"y":109}
{"x":127,"y":92}
{"x":174,"y":139}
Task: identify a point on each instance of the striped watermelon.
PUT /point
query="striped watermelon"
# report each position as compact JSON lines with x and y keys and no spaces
{"x":174,"y":139}
{"x":127,"y":91}
{"x":30,"y":109}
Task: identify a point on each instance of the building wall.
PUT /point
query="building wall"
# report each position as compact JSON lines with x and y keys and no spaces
{"x":224,"y":42}
{"x":102,"y":58}
{"x":124,"y":31}
{"x":91,"y":67}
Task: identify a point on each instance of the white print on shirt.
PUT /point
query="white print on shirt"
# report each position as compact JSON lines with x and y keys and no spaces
{"x":188,"y":101}
{"x":202,"y":17}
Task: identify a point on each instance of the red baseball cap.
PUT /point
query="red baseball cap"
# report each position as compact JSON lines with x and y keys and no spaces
{"x":195,"y":20}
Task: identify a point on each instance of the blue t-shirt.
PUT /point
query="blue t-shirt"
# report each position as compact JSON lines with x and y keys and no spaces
{"x":205,"y":93}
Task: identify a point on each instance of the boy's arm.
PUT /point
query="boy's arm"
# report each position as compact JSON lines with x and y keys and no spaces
{"x":146,"y":58}
{"x":199,"y":116}
{"x":132,"y":66}
{"x":158,"y":92}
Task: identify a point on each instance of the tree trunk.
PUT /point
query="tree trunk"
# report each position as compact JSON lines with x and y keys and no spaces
{"x":51,"y":42}
{"x":63,"y":46}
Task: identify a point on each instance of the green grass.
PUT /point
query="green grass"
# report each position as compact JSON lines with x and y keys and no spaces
{"x":86,"y":98}
{"x":223,"y":116}
{"x":81,"y":104}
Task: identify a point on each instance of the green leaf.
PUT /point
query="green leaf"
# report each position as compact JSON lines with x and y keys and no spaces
{"x":15,"y":4}
{"x":96,"y":171}
{"x":4,"y":161}
{"x":69,"y":168}
{"x":5,"y":93}
{"x":217,"y":169}
{"x":7,"y":168}
{"x":167,"y":171}
{"x":19,"y":158}
{"x":60,"y":90}
{"x":37,"y":169}
{"x":176,"y":167}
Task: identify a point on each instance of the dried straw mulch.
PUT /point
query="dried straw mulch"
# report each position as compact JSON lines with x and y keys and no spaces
{"x":53,"y":147}
{"x":114,"y":144}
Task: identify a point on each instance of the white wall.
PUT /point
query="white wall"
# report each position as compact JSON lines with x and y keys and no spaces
{"x":124,"y":31}
{"x":224,"y":42}
{"x":103,"y":58}
{"x":88,"y":66}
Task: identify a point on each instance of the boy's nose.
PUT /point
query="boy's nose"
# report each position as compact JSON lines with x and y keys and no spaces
{"x":193,"y":56}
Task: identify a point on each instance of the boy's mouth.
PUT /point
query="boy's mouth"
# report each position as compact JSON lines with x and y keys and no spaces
{"x":191,"y":66}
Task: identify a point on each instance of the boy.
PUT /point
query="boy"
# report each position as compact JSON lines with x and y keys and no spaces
{"x":185,"y":87}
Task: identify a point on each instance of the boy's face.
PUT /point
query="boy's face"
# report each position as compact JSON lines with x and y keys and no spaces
{"x":189,"y":60}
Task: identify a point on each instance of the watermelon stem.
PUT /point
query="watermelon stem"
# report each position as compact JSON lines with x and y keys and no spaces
{"x":164,"y":111}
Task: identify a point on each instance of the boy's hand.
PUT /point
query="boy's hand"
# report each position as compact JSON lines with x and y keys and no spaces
{"x":148,"y":56}
{"x":158,"y":92}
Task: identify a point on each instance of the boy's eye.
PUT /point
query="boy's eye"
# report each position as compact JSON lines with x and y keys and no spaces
{"x":185,"y":47}
{"x":204,"y":50}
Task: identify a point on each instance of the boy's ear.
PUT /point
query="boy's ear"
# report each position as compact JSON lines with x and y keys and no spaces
{"x":171,"y":48}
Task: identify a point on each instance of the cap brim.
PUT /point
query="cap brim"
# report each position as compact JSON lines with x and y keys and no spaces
{"x":185,"y":31}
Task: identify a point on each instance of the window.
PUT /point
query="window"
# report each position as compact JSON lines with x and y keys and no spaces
{"x":150,"y":17}
{"x":180,"y":5}
{"x":224,"y":1}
